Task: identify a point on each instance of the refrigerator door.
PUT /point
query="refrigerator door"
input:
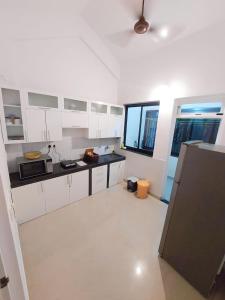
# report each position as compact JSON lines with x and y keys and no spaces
{"x":183,"y":150}
{"x":193,"y":240}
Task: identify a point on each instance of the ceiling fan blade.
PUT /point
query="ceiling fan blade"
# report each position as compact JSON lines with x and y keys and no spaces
{"x":121,"y":39}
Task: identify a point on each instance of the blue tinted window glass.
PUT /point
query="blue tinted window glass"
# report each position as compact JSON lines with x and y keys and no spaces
{"x":194,"y":129}
{"x":201,"y":108}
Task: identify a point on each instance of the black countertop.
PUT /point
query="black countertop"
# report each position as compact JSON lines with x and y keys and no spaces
{"x":59,"y":171}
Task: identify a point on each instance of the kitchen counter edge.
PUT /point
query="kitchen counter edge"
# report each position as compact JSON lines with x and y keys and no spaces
{"x":59,"y":171}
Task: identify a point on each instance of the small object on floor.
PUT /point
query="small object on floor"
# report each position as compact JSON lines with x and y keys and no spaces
{"x":142,"y":189}
{"x":132,"y":184}
{"x":67,"y":164}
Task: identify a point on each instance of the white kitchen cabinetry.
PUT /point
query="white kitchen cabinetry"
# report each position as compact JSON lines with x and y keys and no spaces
{"x":53,"y":125}
{"x":116,"y":172}
{"x":43,"y":125}
{"x":29,"y":202}
{"x":35,"y":125}
{"x":75,"y":114}
{"x":79,"y":185}
{"x":116,"y":121}
{"x":12,"y":117}
{"x":98,"y":121}
{"x":56,"y":192}
{"x":99,"y":179}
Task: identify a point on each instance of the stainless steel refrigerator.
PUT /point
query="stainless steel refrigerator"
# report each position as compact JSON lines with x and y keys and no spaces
{"x":193,"y":239}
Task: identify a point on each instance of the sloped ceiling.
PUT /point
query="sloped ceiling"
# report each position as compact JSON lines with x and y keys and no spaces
{"x":114,"y":21}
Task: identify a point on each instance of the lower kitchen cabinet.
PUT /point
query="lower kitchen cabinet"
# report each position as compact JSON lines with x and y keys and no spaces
{"x":79,"y":185}
{"x":116,"y":172}
{"x":99,"y":179}
{"x":56,"y":192}
{"x":36,"y":199}
{"x":29,"y":202}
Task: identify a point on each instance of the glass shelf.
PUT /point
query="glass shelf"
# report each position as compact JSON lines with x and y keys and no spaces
{"x":42,"y":100}
{"x":76,"y":105}
{"x":11,"y":97}
{"x":115,"y":110}
{"x":99,"y":108}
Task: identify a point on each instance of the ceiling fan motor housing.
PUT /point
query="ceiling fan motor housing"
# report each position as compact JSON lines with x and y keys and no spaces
{"x":141,"y":26}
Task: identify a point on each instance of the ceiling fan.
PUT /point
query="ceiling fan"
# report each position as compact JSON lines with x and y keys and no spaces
{"x":123,"y":38}
{"x":142,"y":26}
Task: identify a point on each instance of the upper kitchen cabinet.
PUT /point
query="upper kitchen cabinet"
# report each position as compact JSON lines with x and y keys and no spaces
{"x":116,"y":120}
{"x":75,"y":113}
{"x":98,"y":121}
{"x":12,"y":116}
{"x":42,"y":101}
{"x":43,"y":125}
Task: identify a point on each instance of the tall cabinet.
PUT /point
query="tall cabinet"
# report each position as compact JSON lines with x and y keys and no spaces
{"x":98,"y":121}
{"x":43,"y":119}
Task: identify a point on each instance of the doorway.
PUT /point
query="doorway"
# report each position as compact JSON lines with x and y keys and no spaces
{"x":193,"y":121}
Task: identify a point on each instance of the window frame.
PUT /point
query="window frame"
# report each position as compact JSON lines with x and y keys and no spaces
{"x":141,"y":104}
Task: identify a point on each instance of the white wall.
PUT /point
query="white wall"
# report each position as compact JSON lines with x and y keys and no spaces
{"x":190,"y":67}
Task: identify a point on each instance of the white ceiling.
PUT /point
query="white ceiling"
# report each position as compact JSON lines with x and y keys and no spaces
{"x":113,"y":21}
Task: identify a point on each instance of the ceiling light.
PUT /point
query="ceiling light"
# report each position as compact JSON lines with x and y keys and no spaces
{"x":164,"y":33}
{"x":138,"y":270}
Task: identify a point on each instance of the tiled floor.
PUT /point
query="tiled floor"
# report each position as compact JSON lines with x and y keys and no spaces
{"x":104,"y":247}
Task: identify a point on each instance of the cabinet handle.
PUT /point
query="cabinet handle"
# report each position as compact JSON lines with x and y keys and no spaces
{"x":49,"y":136}
{"x":71,"y":180}
{"x":42,"y":189}
{"x":68,"y":180}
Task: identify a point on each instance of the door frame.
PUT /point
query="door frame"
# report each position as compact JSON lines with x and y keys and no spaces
{"x":11,"y":255}
{"x":191,"y":100}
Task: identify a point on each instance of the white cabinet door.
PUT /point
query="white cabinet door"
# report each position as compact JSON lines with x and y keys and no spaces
{"x":116,"y":173}
{"x":103,"y":125}
{"x":35,"y":125}
{"x":93,"y":131}
{"x":56,"y":192}
{"x":99,"y":179}
{"x":28,"y":202}
{"x":116,"y":126}
{"x":74,"y":119}
{"x":79,"y":185}
{"x":54,"y":125}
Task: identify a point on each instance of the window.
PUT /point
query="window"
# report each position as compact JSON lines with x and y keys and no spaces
{"x":140,"y":127}
{"x":198,"y":121}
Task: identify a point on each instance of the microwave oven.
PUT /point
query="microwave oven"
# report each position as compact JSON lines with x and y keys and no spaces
{"x":31,"y":168}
